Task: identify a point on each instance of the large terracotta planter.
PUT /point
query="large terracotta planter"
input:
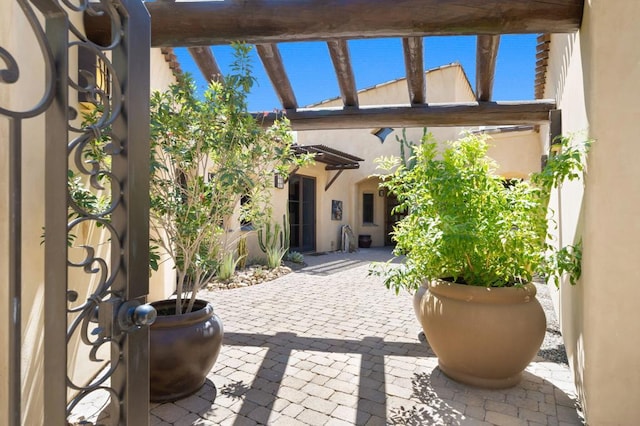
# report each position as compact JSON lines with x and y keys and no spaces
{"x":182,"y":350}
{"x":483,"y":337}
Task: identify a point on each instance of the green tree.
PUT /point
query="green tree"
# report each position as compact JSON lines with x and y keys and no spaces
{"x":206,"y":154}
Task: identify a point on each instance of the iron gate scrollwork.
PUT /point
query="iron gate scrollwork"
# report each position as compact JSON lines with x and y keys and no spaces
{"x":96,"y":243}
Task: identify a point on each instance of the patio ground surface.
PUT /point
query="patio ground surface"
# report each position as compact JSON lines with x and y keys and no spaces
{"x":330,"y":345}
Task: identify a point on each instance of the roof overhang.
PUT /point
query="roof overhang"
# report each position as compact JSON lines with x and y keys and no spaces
{"x":333,"y":159}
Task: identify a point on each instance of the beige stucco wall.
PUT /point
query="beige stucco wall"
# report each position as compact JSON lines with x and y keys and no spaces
{"x":23,"y":96}
{"x":17,"y":37}
{"x":518,"y":154}
{"x":594,"y":76}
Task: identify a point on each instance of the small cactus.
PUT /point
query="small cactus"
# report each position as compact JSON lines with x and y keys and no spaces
{"x":243,"y":252}
{"x":275,"y":243}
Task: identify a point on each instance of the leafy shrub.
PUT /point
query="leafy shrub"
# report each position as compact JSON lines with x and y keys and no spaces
{"x":465,"y":225}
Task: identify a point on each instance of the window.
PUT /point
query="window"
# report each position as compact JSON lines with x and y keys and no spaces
{"x":94,"y":77}
{"x":367,"y":208}
{"x":382,"y":133}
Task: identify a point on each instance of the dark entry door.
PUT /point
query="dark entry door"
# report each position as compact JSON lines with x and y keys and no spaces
{"x":302,"y":213}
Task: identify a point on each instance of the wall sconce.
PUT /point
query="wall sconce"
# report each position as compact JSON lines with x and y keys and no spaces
{"x":381,"y":192}
{"x":382,"y":133}
{"x":556,"y":146}
{"x":278,"y":181}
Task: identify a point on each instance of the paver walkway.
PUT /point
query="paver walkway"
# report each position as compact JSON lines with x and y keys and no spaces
{"x":330,"y":345}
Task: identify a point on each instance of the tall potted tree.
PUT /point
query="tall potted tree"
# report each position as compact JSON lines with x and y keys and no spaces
{"x":473,"y":243}
{"x":207,"y":153}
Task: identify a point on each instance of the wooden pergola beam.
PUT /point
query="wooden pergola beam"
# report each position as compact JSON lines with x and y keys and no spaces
{"x":203,"y":57}
{"x":414,"y":65}
{"x":272,"y":21}
{"x":270,"y":56}
{"x":339,"y":52}
{"x":486,"y":55}
{"x":444,"y":115}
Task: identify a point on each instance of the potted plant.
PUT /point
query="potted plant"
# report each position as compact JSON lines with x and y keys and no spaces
{"x":472,"y":244}
{"x":207,"y":153}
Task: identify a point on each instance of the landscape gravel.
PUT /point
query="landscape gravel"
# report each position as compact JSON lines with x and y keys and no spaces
{"x":552,"y":348}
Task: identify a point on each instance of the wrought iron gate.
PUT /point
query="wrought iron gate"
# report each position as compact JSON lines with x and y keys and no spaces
{"x":96,"y":242}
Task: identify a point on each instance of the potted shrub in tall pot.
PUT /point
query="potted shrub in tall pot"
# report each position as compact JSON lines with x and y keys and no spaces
{"x":207,"y":153}
{"x":473,"y":243}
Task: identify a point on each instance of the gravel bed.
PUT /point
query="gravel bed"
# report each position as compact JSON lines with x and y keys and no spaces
{"x":552,"y":348}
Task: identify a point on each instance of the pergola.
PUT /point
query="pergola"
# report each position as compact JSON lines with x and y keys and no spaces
{"x":266,"y":23}
{"x":197,"y":25}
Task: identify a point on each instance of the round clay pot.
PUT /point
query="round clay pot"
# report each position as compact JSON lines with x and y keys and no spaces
{"x":182,"y":349}
{"x":364,"y":241}
{"x":482,"y":336}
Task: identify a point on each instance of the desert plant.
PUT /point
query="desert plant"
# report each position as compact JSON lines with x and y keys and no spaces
{"x":274,"y":242}
{"x":408,"y":147}
{"x":243,"y":252}
{"x":227,"y":266}
{"x":206,"y":154}
{"x":465,"y":225}
{"x":295,"y":257}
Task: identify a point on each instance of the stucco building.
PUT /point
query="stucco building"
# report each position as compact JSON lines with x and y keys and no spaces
{"x":592,"y":75}
{"x":312,"y":193}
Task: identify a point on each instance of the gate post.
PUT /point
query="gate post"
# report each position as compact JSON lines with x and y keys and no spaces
{"x":131,"y":59}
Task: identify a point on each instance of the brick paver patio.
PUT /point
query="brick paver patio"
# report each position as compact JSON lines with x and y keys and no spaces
{"x":329,"y":345}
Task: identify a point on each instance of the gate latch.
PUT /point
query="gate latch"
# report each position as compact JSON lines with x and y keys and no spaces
{"x":132,"y":315}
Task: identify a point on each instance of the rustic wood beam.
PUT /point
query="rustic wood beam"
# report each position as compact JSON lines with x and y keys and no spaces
{"x":486,"y":55}
{"x":339,"y":52}
{"x":543,"y":54}
{"x":414,"y":64}
{"x":333,"y":179}
{"x":443,"y":115}
{"x":544,"y":38}
{"x":272,"y":61}
{"x":203,"y":56}
{"x":272,"y":21}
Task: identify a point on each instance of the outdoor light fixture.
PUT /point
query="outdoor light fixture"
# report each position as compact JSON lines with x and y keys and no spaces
{"x":382,"y":133}
{"x":556,"y":146}
{"x":381,"y":192}
{"x":278,"y":180}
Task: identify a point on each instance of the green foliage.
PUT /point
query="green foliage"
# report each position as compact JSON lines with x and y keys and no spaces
{"x":566,"y":164}
{"x":464,"y":224}
{"x":154,"y":258}
{"x":227,"y":266}
{"x":567,"y":260}
{"x":295,"y":257}
{"x":205,"y":154}
{"x":274,"y":243}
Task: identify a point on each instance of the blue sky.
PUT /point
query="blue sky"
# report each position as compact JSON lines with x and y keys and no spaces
{"x":376,"y":61}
